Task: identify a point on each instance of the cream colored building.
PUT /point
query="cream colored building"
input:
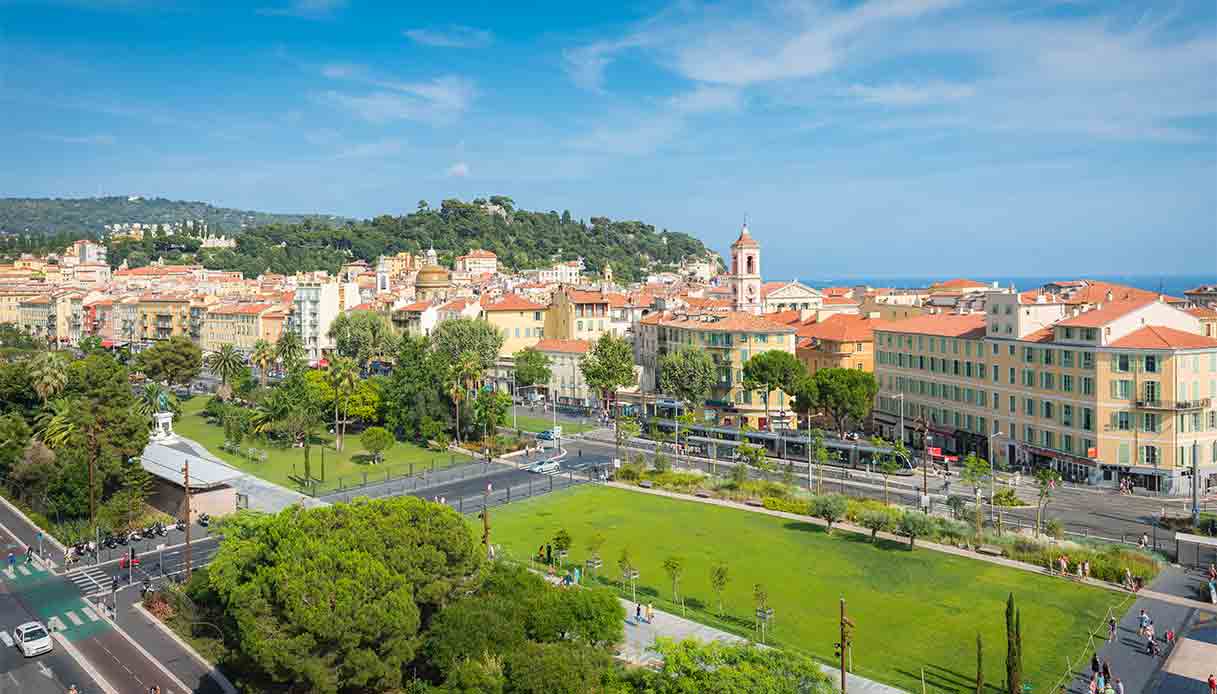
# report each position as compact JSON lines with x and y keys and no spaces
{"x":162,"y":316}
{"x":521,"y":321}
{"x":239,"y":325}
{"x":731,"y":338}
{"x":1103,"y":392}
{"x":581,"y":314}
{"x":478,"y":262}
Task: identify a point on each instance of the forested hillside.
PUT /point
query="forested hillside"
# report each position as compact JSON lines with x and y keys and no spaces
{"x":521,"y":239}
{"x":77,"y":215}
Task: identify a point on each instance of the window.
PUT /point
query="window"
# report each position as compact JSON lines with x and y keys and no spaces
{"x":1012,"y":380}
{"x":579,"y":326}
{"x":1067,"y":355}
{"x":1123,"y":421}
{"x":1150,"y":455}
{"x":1067,"y":383}
{"x":1029,"y":407}
{"x":1067,"y":415}
{"x":1049,"y":440}
{"x":1151,"y":391}
{"x":1028,"y":378}
{"x":1149,"y":422}
{"x":1028,"y":355}
{"x":981,"y":398}
{"x":1048,"y":357}
{"x":1013,"y":405}
{"x":1121,"y":390}
{"x":517,"y":332}
{"x":1028,"y":434}
{"x":1067,"y":443}
{"x":1120,"y":363}
{"x":1087,"y":419}
{"x":980,"y":371}
{"x":1048,"y":410}
{"x":1087,"y":360}
{"x":1151,"y":363}
{"x":1047,"y":381}
{"x":1068,"y":333}
{"x":1087,"y":385}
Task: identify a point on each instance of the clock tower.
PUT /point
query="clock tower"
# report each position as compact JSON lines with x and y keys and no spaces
{"x":746,"y":273}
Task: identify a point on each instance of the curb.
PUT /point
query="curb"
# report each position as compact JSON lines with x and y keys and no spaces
{"x":173,"y":679}
{"x":83,"y":663}
{"x":212,"y":671}
{"x":45,"y":535}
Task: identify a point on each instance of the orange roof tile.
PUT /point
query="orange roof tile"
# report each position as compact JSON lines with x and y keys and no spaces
{"x":836,"y":291}
{"x":416,"y":306}
{"x":768,"y":288}
{"x":1202,"y":312}
{"x":239,"y":309}
{"x":569,"y":346}
{"x":787,"y":317}
{"x":745,"y":239}
{"x":958,"y":283}
{"x":1097,"y":318}
{"x":478,"y":253}
{"x":1160,"y":337}
{"x":840,"y":301}
{"x":732,"y":321}
{"x":969,"y":326}
{"x":842,"y":328}
{"x":511,"y":302}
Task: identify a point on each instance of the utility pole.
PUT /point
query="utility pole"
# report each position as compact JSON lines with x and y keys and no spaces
{"x":186,"y":486}
{"x":1195,"y":484}
{"x":486,"y":521}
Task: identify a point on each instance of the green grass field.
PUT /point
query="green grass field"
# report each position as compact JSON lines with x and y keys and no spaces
{"x":539,"y":424}
{"x":913,"y":610}
{"x":282,"y":464}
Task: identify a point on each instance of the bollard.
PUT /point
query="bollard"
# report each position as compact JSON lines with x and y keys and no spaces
{"x":509,"y":495}
{"x":460,"y":503}
{"x":551,"y":483}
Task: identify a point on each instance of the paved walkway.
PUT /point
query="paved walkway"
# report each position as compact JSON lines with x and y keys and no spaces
{"x":262,"y":495}
{"x":640,"y":637}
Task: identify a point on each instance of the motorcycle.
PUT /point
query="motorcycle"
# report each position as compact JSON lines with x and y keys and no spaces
{"x":204,"y":520}
{"x":180,"y":525}
{"x":122,"y":539}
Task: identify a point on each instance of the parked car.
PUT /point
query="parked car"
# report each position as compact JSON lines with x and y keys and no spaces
{"x":32,"y":638}
{"x":546,"y":467}
{"x":547,"y":435}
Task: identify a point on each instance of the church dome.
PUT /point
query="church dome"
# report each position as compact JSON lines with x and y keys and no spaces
{"x":433,"y":277}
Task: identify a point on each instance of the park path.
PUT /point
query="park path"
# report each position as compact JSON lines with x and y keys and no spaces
{"x":640,"y":638}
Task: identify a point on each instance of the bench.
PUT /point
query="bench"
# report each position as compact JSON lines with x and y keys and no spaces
{"x":755,"y":502}
{"x":990,"y":550}
{"x":646,"y":483}
{"x":703,"y":494}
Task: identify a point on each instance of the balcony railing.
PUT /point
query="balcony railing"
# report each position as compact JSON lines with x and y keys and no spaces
{"x":1198,"y":404}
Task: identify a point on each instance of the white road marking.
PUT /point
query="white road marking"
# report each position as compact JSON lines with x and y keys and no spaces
{"x":55,"y":624}
{"x":90,"y":613}
{"x":24,"y":571}
{"x":8,"y":640}
{"x":76,"y":620}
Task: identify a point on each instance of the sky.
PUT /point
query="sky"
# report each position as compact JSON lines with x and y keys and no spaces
{"x":915,"y":137}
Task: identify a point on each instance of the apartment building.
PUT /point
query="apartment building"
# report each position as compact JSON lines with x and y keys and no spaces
{"x":162,"y":316}
{"x":522,"y":322}
{"x":314,"y":307}
{"x":842,"y":341}
{"x":731,"y":338}
{"x":581,"y":314}
{"x":566,"y":384}
{"x":11,"y":299}
{"x":478,"y":262}
{"x":239,"y":325}
{"x":1102,"y":392}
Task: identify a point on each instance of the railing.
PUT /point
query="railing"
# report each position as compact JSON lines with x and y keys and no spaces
{"x":1198,"y":404}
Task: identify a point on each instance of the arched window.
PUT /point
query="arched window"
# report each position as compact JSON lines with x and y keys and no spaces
{"x":750,"y":262}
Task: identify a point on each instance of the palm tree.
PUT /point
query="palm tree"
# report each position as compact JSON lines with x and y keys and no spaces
{"x":54,"y":424}
{"x":149,"y":402}
{"x":342,"y":375}
{"x":227,"y":362}
{"x":465,"y":373}
{"x":50,"y":375}
{"x":289,"y":349}
{"x":263,"y":357}
{"x":380,"y":343}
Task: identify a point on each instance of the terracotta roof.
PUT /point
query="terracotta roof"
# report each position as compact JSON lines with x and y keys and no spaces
{"x":958,"y":283}
{"x":570,"y":346}
{"x":478,"y":253}
{"x":842,"y":328}
{"x":153,"y":270}
{"x":511,"y":302}
{"x":455,"y":305}
{"x":1092,"y":292}
{"x":365,"y":306}
{"x":1045,"y":334}
{"x":582,"y":296}
{"x":1202,"y":312}
{"x":745,"y":240}
{"x":416,"y":306}
{"x":969,"y":326}
{"x":790,"y":317}
{"x":840,"y":301}
{"x":163,"y":297}
{"x":732,"y":321}
{"x":1158,"y":336}
{"x":769,"y":287}
{"x":706,"y":304}
{"x":1097,"y":318}
{"x":836,"y":291}
{"x":240,"y":309}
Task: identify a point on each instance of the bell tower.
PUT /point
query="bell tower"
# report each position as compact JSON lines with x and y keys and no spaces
{"x":746,"y":273}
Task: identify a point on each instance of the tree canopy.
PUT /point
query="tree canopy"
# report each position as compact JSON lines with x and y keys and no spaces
{"x":609,"y":365}
{"x":176,"y":361}
{"x":689,"y":374}
{"x":532,"y":367}
{"x":846,"y":394}
{"x":454,"y":337}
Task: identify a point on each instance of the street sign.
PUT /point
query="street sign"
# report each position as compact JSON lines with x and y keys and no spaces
{"x":1092,"y":452}
{"x":558,"y":431}
{"x":934,"y":451}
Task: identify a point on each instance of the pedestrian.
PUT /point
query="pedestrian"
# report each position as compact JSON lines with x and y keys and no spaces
{"x":73,"y":690}
{"x":650,"y":612}
{"x":1100,"y":682}
{"x":1119,"y":686}
{"x":1127,"y":578}
{"x":1111,"y":629}
{"x":1149,"y":631}
{"x":1142,"y":623}
{"x":1093,"y":687}
{"x":1212,"y":684}
{"x":1110,"y":689}
{"x":1170,"y":637}
{"x":1144,"y":541}
{"x":637,"y":613}
{"x":1094,"y":664}
{"x":1213,"y":572}
{"x":29,"y":554}
{"x":11,"y":560}
{"x":1106,"y":671}
{"x":1086,"y":569}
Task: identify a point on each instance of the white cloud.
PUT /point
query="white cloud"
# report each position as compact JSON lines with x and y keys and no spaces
{"x":306,"y":9}
{"x":372,"y":150}
{"x":457,"y":170}
{"x":455,"y":36}
{"x":437,"y":100}
{"x":911,"y":94}
{"x":705,"y":99}
{"x":585,"y":65}
{"x":82,"y":139}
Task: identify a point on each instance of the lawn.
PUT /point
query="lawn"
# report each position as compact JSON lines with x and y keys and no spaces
{"x":913,"y":610}
{"x":283,"y":464}
{"x":539,"y":424}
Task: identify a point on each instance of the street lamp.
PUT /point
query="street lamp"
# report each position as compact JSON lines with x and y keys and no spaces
{"x":900,"y":397}
{"x":992,"y":475}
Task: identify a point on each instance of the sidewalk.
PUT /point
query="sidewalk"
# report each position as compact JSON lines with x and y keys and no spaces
{"x":1140,"y":672}
{"x":640,"y":637}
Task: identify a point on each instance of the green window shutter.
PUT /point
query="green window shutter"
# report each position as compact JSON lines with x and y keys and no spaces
{"x":1124,"y":454}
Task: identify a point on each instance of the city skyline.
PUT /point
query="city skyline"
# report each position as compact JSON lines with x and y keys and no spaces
{"x":1053,"y":136}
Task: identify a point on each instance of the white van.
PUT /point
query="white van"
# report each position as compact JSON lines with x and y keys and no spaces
{"x":546,"y":467}
{"x":33,"y":639}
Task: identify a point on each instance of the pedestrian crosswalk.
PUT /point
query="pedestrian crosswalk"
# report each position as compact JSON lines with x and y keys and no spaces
{"x":69,"y":619}
{"x":91,"y":581}
{"x":23,"y":570}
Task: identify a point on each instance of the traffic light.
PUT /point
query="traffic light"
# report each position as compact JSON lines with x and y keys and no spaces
{"x":836,"y":650}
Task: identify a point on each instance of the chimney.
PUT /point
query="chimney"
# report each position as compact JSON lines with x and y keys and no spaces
{"x":1109,"y":297}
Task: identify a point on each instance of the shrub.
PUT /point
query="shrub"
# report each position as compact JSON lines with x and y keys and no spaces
{"x":957,"y":506}
{"x":856,"y":508}
{"x":1054,"y":529}
{"x":879,"y":519}
{"x":803,"y":508}
{"x":661,"y":463}
{"x":951,"y":531}
{"x":1007,"y":497}
{"x":629,"y":472}
{"x":915,"y":524}
{"x":830,"y":507}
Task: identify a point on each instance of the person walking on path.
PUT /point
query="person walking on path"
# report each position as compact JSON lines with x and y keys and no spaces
{"x":638,"y":613}
{"x":650,"y":612}
{"x":1111,"y":629}
{"x":1212,"y":683}
{"x":1119,"y":686}
{"x":11,"y":561}
{"x":1142,"y":623}
{"x":1106,"y":671}
{"x":1094,"y":665}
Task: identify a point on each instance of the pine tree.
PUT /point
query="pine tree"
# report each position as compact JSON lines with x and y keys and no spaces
{"x":980,"y":665}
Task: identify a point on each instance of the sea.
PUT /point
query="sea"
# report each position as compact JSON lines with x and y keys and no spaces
{"x":1171,"y":285}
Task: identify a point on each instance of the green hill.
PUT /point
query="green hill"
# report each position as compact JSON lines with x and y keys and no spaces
{"x":520,"y":238}
{"x":90,"y":215}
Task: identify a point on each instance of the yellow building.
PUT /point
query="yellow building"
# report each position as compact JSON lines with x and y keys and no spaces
{"x":521,"y":321}
{"x":1104,"y":393}
{"x":37,"y":316}
{"x":731,"y":338}
{"x":162,"y":316}
{"x":580,"y":314}
{"x":239,"y":325}
{"x":842,"y":341}
{"x":12,"y":297}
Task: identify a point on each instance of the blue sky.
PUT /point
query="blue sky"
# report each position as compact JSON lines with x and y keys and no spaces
{"x":917,"y":137}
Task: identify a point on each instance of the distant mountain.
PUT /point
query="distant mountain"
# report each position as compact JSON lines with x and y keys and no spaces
{"x":74,"y":215}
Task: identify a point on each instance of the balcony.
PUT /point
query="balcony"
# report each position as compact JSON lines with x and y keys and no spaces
{"x":1198,"y":404}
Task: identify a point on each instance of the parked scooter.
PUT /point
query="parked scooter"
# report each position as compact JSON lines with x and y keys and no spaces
{"x":204,"y":520}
